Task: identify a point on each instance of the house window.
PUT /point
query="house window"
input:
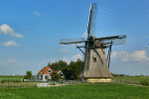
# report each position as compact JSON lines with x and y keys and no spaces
{"x":41,"y":77}
{"x":94,"y":59}
{"x":46,"y":77}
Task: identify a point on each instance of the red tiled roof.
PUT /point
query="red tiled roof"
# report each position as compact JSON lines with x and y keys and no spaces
{"x":45,"y":70}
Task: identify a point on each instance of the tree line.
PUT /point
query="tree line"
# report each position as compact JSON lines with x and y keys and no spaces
{"x":71,"y":71}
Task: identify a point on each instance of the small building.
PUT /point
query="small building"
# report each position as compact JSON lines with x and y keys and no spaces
{"x":45,"y":73}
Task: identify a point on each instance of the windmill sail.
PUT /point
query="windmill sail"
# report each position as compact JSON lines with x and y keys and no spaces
{"x":72,"y":41}
{"x":91,"y":19}
{"x":111,"y":37}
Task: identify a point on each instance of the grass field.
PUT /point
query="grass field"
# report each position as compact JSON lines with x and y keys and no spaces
{"x":119,"y":89}
{"x":82,"y":91}
{"x":11,"y":78}
{"x":131,"y":79}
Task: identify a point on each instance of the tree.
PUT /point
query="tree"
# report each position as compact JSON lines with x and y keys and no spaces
{"x":60,"y":65}
{"x":56,"y":76}
{"x":28,"y":75}
{"x":73,"y":70}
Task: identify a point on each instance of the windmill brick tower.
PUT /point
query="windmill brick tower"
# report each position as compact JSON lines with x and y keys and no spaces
{"x":97,"y":52}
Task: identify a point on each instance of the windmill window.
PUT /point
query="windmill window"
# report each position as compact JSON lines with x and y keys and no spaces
{"x":94,"y":59}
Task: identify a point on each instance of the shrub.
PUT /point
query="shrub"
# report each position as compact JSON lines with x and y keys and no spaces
{"x":144,"y":82}
{"x":28,"y":75}
{"x":55,"y":76}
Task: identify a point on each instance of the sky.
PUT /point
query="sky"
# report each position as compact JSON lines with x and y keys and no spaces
{"x":30,"y":32}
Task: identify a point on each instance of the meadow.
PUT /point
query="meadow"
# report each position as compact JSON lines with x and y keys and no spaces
{"x":11,"y":78}
{"x":14,"y":81}
{"x":122,"y":87}
{"x":79,"y":91}
{"x":143,"y":80}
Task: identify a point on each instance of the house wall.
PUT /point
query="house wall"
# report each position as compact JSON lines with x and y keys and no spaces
{"x":44,"y":77}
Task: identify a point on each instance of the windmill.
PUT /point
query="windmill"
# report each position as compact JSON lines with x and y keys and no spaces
{"x":97,"y":52}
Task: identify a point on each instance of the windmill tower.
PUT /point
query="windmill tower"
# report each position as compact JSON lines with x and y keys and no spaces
{"x":97,"y":52}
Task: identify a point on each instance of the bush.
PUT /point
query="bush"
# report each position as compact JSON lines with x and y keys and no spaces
{"x":144,"y":82}
{"x":28,"y":75}
{"x":56,"y":76}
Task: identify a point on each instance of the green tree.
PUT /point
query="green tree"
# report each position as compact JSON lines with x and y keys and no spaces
{"x":56,"y":76}
{"x":28,"y":75}
{"x":73,"y":70}
{"x":60,"y":65}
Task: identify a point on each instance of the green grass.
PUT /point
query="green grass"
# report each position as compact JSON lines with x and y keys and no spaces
{"x":14,"y":81}
{"x":82,"y":91}
{"x":130,"y":79}
{"x":11,"y":78}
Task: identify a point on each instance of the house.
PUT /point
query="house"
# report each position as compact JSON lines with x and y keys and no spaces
{"x":45,"y":74}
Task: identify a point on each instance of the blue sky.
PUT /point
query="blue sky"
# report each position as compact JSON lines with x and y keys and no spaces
{"x":30,"y":31}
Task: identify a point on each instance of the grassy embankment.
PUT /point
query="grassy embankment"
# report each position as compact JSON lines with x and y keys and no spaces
{"x":140,"y":80}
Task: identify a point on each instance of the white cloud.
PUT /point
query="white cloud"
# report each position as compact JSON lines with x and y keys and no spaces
{"x":9,"y":44}
{"x":8,"y":30}
{"x":67,"y":59}
{"x":135,"y":56}
{"x":36,"y":13}
{"x":64,"y":51}
{"x":73,"y":58}
{"x":76,"y":57}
